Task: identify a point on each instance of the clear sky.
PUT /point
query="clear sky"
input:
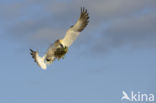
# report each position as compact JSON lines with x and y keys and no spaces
{"x":116,"y":52}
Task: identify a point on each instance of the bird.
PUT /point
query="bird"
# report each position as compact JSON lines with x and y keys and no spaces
{"x":125,"y":96}
{"x":59,"y":48}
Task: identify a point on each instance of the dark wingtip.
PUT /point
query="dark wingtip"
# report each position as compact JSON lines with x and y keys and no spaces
{"x":31,"y":50}
{"x":83,"y":9}
{"x":84,"y":17}
{"x":33,"y":53}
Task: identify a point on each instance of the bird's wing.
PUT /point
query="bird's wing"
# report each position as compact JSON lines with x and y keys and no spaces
{"x":74,"y":30}
{"x":39,"y":60}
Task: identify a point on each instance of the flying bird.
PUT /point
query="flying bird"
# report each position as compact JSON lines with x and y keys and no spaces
{"x":59,"y":48}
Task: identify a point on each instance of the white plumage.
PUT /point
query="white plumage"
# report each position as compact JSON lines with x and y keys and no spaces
{"x":60,"y":47}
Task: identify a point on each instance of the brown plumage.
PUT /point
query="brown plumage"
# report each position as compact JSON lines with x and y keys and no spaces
{"x":59,"y":48}
{"x":33,"y":53}
{"x":84,"y":18}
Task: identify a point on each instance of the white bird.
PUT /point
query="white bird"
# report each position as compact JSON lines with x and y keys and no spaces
{"x":60,"y":47}
{"x":125,"y":96}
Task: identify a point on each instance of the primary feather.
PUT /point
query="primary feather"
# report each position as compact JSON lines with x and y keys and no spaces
{"x":74,"y":31}
{"x":60,"y":47}
{"x":39,"y":60}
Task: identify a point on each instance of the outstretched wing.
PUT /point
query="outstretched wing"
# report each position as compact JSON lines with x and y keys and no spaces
{"x":39,"y":60}
{"x":75,"y":30}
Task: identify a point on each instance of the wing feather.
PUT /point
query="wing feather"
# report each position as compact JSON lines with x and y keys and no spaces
{"x":60,"y":47}
{"x":39,"y":60}
{"x":74,"y":31}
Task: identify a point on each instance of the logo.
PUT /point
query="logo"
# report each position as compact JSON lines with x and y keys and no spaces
{"x":137,"y":97}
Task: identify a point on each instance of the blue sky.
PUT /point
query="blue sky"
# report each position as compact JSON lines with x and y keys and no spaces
{"x":115,"y":52}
